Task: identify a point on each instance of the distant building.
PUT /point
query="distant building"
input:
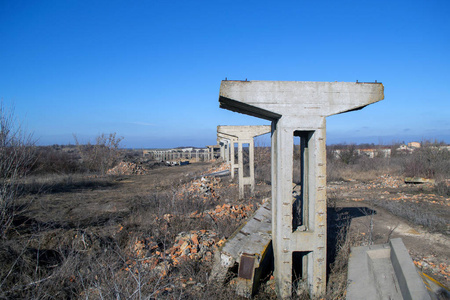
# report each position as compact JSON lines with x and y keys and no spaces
{"x":370,"y":152}
{"x":414,"y":145}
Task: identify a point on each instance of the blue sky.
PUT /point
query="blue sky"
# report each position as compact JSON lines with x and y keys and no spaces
{"x":151,"y":70}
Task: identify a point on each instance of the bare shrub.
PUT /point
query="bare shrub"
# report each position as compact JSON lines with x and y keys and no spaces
{"x":102,"y":155}
{"x":337,"y":281}
{"x":348,"y":155}
{"x":262,"y":163}
{"x":442,"y":189}
{"x":430,"y":161}
{"x":16,"y":159}
{"x":52,"y":159}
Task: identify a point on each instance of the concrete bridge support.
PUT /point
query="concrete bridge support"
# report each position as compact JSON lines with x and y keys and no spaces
{"x":224,"y":144}
{"x":298,"y":110}
{"x":211,"y":151}
{"x":245,"y":135}
{"x":231,"y":154}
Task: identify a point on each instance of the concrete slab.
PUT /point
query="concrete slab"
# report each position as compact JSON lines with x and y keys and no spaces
{"x":249,"y":247}
{"x":384,"y":272}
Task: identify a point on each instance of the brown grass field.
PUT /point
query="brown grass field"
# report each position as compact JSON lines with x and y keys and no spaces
{"x":153,"y":236}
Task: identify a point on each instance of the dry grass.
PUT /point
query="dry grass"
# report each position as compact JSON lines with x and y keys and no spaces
{"x":76,"y":238}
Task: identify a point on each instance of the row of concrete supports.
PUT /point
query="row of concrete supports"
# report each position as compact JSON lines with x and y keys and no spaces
{"x":297,"y":110}
{"x":232,"y":137}
{"x":205,"y":154}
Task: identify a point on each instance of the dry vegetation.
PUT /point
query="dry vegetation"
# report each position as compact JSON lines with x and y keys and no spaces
{"x":70,"y":231}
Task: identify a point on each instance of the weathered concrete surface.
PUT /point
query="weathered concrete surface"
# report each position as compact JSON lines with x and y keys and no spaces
{"x":298,"y":109}
{"x":232,"y":140}
{"x":384,"y":272}
{"x":273,"y":99}
{"x":250,"y":247}
{"x":244,"y":135}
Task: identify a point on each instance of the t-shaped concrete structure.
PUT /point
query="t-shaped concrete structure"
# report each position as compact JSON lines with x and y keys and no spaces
{"x":298,"y":109}
{"x":244,"y":135}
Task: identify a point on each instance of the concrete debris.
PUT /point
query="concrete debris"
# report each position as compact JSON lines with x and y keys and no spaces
{"x":418,"y":180}
{"x":127,"y":168}
{"x":204,"y":188}
{"x":221,"y":167}
{"x":238,"y":212}
{"x":198,"y":245}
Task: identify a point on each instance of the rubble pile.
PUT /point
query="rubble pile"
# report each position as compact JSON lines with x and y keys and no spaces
{"x":198,"y":245}
{"x":221,"y":167}
{"x":387,"y":180}
{"x":205,"y":187}
{"x":392,"y":182}
{"x":238,"y":212}
{"x":429,"y":264}
{"x":127,"y":168}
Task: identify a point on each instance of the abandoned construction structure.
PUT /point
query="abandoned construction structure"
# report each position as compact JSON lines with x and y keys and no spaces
{"x":297,"y":110}
{"x":204,"y":154}
{"x":230,"y":136}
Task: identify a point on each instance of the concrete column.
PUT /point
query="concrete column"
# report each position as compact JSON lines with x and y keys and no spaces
{"x":233,"y":164}
{"x":222,"y":149}
{"x":299,"y":110}
{"x":227,"y":151}
{"x":240,"y":170}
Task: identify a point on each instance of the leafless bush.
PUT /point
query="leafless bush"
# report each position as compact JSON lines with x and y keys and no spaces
{"x":53,"y":160}
{"x":430,"y":161}
{"x":337,"y":281}
{"x":102,"y":155}
{"x":16,"y":159}
{"x":442,"y":188}
{"x":262,"y":164}
{"x":364,"y":168}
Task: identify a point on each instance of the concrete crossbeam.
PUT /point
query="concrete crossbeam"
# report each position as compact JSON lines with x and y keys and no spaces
{"x":298,"y":109}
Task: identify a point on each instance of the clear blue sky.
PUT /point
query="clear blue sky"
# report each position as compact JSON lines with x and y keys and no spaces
{"x":151,"y":70}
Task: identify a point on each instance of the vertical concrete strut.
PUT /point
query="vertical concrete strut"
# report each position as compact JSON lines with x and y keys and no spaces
{"x":243,"y":135}
{"x":231,"y":140}
{"x":298,"y":109}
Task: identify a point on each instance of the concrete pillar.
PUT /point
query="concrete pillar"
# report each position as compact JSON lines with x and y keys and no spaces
{"x":243,"y":135}
{"x":224,"y":142}
{"x":232,"y":140}
{"x":298,"y":109}
{"x":221,"y":143}
{"x":209,"y":153}
{"x":234,"y":165}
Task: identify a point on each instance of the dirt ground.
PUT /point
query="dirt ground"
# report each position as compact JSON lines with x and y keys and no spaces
{"x":98,"y":207}
{"x":371,"y":222}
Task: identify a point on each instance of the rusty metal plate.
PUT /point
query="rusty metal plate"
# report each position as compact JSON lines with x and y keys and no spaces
{"x":246,"y":267}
